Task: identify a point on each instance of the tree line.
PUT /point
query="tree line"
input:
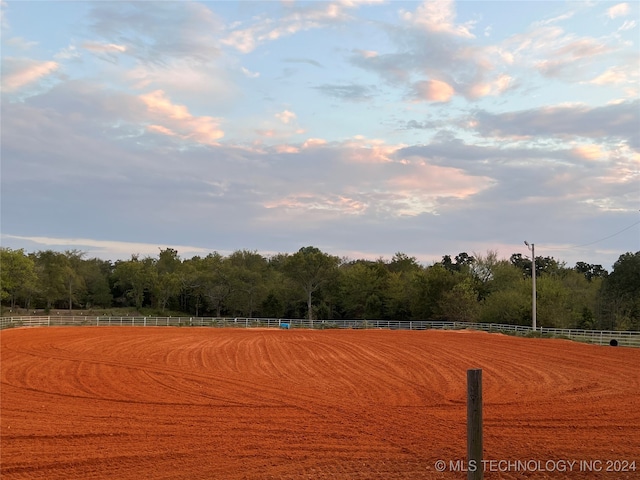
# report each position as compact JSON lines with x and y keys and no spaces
{"x":316,"y":285}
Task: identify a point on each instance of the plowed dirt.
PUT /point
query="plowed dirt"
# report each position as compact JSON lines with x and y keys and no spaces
{"x":198,"y":403}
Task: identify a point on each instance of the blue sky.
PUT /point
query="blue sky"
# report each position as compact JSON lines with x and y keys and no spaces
{"x":361,"y":127}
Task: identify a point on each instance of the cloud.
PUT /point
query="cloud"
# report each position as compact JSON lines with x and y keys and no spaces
{"x":350,"y":92}
{"x":264,"y":29}
{"x":108,"y":249}
{"x":368,"y":150}
{"x":176,"y":120}
{"x":617,"y":121}
{"x":315,"y":202}
{"x":365,"y":177}
{"x":426,"y":183}
{"x":205,"y":85}
{"x":436,"y":58}
{"x":155,"y":32}
{"x":249,"y":74}
{"x":68,"y":53}
{"x":565,"y":58}
{"x":539,"y":174}
{"x":20,"y":72}
{"x":554,"y":53}
{"x":495,"y":87}
{"x":619,"y":10}
{"x":286,"y":149}
{"x":104,"y":47}
{"x":628,"y":25}
{"x":438,"y":17}
{"x":434,"y":91}
{"x":304,"y":60}
{"x":21,"y":43}
{"x":314,"y":143}
{"x":588,"y":152}
{"x":285,"y":116}
{"x":612,"y":76}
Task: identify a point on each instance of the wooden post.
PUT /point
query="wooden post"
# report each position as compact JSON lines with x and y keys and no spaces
{"x":474,"y":425}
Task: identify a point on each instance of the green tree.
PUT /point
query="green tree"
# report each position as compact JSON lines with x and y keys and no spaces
{"x":51,"y":271}
{"x":17,"y":276}
{"x":428,"y":288}
{"x":166,"y":278}
{"x":192,"y":281}
{"x":508,"y":306}
{"x":96,"y":274}
{"x":401,"y":262}
{"x":362,"y":286}
{"x":74,"y":282}
{"x":248,"y":281}
{"x":310,"y":269}
{"x":621,"y":293}
{"x":216,"y":281}
{"x":135,"y":278}
{"x":590,"y":271}
{"x":460,"y":304}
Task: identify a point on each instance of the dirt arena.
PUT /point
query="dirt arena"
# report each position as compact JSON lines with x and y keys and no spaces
{"x":202,"y":403}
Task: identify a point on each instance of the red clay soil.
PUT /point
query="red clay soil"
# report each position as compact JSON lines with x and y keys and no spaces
{"x":200,"y":403}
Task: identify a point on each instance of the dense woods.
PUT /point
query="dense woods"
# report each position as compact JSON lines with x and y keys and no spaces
{"x":315,"y":285}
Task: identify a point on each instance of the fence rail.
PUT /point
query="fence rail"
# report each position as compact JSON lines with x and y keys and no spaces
{"x":598,"y":337}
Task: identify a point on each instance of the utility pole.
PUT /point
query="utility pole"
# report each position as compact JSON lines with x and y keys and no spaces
{"x":533,"y":281}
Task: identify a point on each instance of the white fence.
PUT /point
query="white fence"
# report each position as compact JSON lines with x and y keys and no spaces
{"x":598,"y":337}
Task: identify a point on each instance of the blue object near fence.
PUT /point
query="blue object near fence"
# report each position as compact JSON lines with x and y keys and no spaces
{"x":285,"y":325}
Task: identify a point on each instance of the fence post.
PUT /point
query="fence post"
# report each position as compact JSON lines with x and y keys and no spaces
{"x":474,"y":425}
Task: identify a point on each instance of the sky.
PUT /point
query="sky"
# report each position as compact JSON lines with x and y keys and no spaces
{"x":363,"y":128}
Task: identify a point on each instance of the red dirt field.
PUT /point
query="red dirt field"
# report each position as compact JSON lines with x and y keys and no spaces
{"x":200,"y":403}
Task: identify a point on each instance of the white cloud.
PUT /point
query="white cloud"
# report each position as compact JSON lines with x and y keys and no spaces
{"x":108,"y":249}
{"x":494,"y":87}
{"x":612,"y":76}
{"x":303,"y":18}
{"x":439,"y":17}
{"x":104,"y":47}
{"x":248,"y":73}
{"x":285,"y":116}
{"x":619,"y":10}
{"x":67,"y":53}
{"x":628,"y":25}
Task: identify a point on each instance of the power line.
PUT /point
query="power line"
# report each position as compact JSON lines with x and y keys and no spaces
{"x":602,"y":239}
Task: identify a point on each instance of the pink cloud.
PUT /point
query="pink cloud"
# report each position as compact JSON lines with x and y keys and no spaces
{"x":363,"y":150}
{"x":588,"y":152}
{"x":21,"y":72}
{"x":176,"y":120}
{"x":286,"y":149}
{"x":314,"y":142}
{"x":434,"y":91}
{"x":437,"y":180}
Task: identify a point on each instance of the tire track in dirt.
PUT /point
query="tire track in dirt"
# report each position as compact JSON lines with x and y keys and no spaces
{"x":207,"y":403}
